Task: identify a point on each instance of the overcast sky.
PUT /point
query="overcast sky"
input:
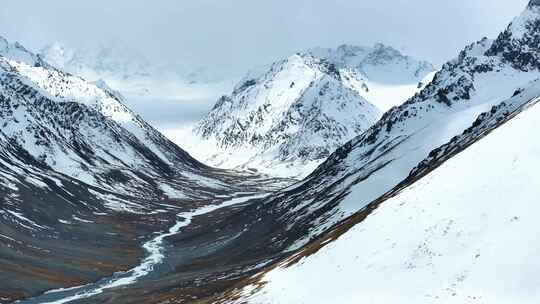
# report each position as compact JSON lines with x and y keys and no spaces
{"x":238,"y":34}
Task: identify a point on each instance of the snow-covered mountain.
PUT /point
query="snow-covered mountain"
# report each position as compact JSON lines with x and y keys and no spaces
{"x":287,"y":118}
{"x":17,"y":52}
{"x":465,"y":233}
{"x":481,"y":78}
{"x":114,"y":60}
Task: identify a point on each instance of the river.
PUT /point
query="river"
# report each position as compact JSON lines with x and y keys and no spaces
{"x":155,"y":249}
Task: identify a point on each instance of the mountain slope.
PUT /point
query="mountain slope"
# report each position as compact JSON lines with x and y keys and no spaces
{"x":451,"y":237}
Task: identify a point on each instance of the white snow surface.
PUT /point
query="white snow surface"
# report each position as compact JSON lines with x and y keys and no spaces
{"x":465,"y":233}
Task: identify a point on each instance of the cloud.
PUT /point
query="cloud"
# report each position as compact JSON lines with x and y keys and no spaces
{"x":238,"y":34}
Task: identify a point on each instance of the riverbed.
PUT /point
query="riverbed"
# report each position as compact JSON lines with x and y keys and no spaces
{"x":156,"y":255}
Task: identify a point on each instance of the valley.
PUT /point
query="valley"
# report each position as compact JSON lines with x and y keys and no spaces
{"x":332,"y":175}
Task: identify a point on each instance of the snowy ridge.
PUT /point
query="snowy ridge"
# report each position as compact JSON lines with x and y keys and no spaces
{"x":294,"y":115}
{"x":77,"y":128}
{"x":518,"y":45}
{"x":113,"y":60}
{"x":98,"y":62}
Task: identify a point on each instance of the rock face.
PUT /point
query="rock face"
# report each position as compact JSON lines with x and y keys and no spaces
{"x":287,"y":119}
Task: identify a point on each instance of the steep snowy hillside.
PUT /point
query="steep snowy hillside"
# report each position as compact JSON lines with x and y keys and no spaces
{"x":264,"y":232}
{"x":465,"y":233}
{"x":286,"y":119}
{"x":478,"y":80}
